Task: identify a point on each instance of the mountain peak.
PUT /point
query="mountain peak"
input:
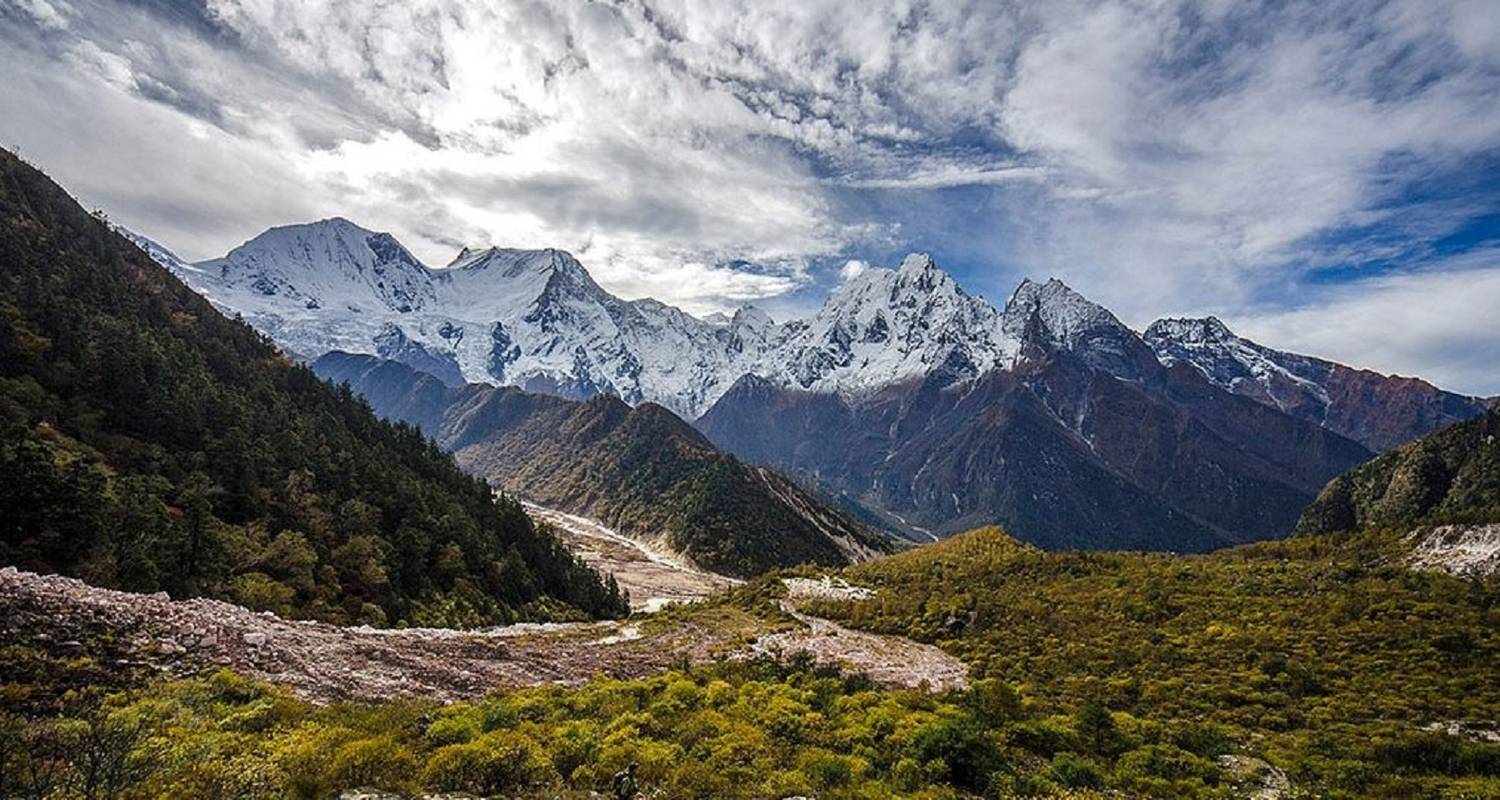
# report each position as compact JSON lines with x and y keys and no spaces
{"x":332,"y":233}
{"x":505,"y":282}
{"x":917,"y":263}
{"x":1064,"y":313}
{"x":513,"y":262}
{"x":1052,"y":314}
{"x":468,"y":254}
{"x":330,"y":263}
{"x":328,"y":226}
{"x":752,"y":316}
{"x":921,"y":272}
{"x":1191,"y":330}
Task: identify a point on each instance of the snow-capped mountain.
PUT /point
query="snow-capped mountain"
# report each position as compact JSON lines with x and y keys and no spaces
{"x":528,"y":318}
{"x":1239,"y":365}
{"x":926,"y":405}
{"x":1378,"y":411}
{"x":1062,"y":318}
{"x":334,"y":264}
{"x":537,"y":320}
{"x":885,"y":326}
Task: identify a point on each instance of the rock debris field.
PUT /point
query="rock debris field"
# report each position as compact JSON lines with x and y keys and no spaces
{"x":328,"y":663}
{"x":325,"y":662}
{"x":653,"y":579}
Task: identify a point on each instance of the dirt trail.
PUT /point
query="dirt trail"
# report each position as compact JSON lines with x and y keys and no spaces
{"x":888,"y":660}
{"x":654,"y":579}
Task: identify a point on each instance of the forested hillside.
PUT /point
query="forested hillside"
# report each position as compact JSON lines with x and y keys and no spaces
{"x":641,"y":470}
{"x":1450,"y":476}
{"x":149,"y":443}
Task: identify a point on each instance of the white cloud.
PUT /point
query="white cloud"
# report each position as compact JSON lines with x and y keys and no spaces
{"x":48,"y":15}
{"x":1209,"y":154}
{"x":1162,"y":154}
{"x":950,"y":176}
{"x":852,"y":269}
{"x":1436,"y":325}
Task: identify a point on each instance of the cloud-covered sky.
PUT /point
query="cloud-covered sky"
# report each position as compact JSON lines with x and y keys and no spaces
{"x":1323,"y":174}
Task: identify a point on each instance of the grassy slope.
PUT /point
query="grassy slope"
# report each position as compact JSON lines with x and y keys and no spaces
{"x":1314,"y":652}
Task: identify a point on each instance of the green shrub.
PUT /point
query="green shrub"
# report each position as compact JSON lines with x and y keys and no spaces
{"x":965,"y":749}
{"x":378,"y":763}
{"x":1165,"y":761}
{"x":495,"y":763}
{"x":1074,"y":771}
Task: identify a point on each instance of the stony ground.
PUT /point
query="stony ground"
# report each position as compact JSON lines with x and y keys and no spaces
{"x":329,"y":662}
{"x":326,"y":663}
{"x":888,"y":660}
{"x":136,"y":634}
{"x":653,"y":579}
{"x":1467,"y":551}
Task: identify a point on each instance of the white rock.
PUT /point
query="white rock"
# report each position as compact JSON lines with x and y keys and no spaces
{"x":1462,"y":550}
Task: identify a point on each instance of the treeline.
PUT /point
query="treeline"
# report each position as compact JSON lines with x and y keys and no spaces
{"x":149,"y":443}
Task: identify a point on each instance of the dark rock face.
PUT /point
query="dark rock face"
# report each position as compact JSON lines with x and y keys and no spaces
{"x":1060,"y":450}
{"x":1383,"y":411}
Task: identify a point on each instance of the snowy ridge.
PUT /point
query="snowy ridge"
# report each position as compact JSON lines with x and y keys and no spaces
{"x":1237,"y":364}
{"x":1378,"y":411}
{"x":158,"y":253}
{"x":537,"y":320}
{"x":885,"y":326}
{"x":528,"y":318}
{"x":1067,"y":317}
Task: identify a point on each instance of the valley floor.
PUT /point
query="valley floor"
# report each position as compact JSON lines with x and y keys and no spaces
{"x":324,"y":662}
{"x":67,"y":618}
{"x":653,"y":579}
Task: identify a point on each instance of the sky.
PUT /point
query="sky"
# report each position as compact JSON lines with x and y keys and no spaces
{"x":1324,"y":175}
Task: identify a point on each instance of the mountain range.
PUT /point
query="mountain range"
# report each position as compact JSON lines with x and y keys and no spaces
{"x":1378,"y":411}
{"x":910,"y":399}
{"x":641,"y":470}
